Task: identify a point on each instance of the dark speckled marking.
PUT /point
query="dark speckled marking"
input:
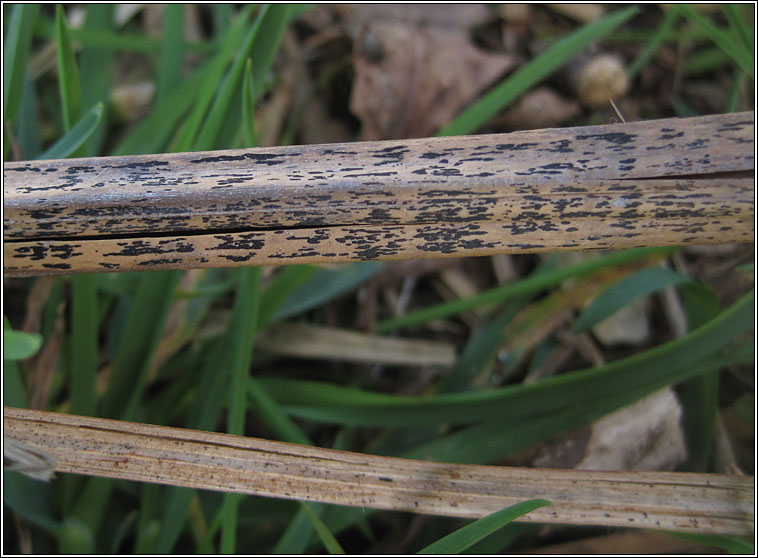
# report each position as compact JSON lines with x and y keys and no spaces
{"x":527,"y":191}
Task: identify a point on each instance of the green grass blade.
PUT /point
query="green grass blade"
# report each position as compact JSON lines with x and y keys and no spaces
{"x":652,"y":46}
{"x":524,"y":287}
{"x":325,"y":285}
{"x":248,"y":106}
{"x":463,"y":538}
{"x":699,"y":395}
{"x":68,"y":74}
{"x":705,"y":61}
{"x":741,"y":56}
{"x":739,"y":26}
{"x":152,"y":134}
{"x":242,"y":350}
{"x":286,"y":280}
{"x":77,"y":136}
{"x":143,"y":329}
{"x":644,"y":372}
{"x":242,"y":347}
{"x":326,"y":536}
{"x":626,"y":291}
{"x":18,"y":42}
{"x":172,"y":52}
{"x":482,"y":346}
{"x":534,"y":72}
{"x":14,"y":393}
{"x":30,"y":499}
{"x":29,"y":135}
{"x":110,"y":40}
{"x":262,"y":42}
{"x":735,"y":93}
{"x":96,"y":73}
{"x":205,"y":90}
{"x":84,"y":343}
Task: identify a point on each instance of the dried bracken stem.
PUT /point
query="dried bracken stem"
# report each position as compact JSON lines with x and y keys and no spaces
{"x":659,"y":182}
{"x":703,"y":503}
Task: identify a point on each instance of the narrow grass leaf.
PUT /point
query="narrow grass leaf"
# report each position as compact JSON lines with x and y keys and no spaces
{"x":463,"y":538}
{"x":213,"y":386}
{"x":145,"y":540}
{"x":77,"y":136}
{"x":84,"y":344}
{"x":735,"y":93}
{"x":626,"y":291}
{"x":326,"y":536}
{"x":286,"y":280}
{"x":30,"y":499}
{"x":74,"y":537}
{"x":705,"y":61}
{"x":326,"y":285}
{"x":534,"y":72}
{"x":29,"y":134}
{"x":96,"y":73}
{"x":500,"y":540}
{"x":523,"y":287}
{"x":205,"y":90}
{"x":644,"y":372}
{"x":739,"y":26}
{"x":18,"y":42}
{"x":654,"y":43}
{"x":68,"y":74}
{"x":248,"y":106}
{"x":172,"y":52}
{"x":241,"y":341}
{"x":262,"y":42}
{"x":111,"y":40}
{"x":699,"y":395}
{"x":143,"y":329}
{"x":741,"y":56}
{"x":482,"y":346}
{"x":152,"y":134}
{"x":14,"y":393}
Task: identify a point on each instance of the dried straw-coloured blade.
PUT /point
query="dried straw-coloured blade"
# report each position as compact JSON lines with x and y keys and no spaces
{"x":702,"y":503}
{"x":659,"y":182}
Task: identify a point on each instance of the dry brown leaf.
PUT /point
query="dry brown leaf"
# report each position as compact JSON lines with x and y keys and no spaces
{"x":412,"y":79}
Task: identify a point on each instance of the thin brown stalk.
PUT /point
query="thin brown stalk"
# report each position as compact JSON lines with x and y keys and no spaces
{"x":690,"y":502}
{"x":649,"y":183}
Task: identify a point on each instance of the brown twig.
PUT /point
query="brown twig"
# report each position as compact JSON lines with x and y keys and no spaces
{"x":703,"y":503}
{"x":658,"y":182}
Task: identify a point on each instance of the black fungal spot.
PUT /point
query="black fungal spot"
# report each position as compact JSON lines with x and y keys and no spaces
{"x":560,"y":146}
{"x":34,"y":253}
{"x":515,"y":146}
{"x":143,"y":165}
{"x":616,"y":138}
{"x":269,"y":159}
{"x":159,"y":262}
{"x":390,"y":155}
